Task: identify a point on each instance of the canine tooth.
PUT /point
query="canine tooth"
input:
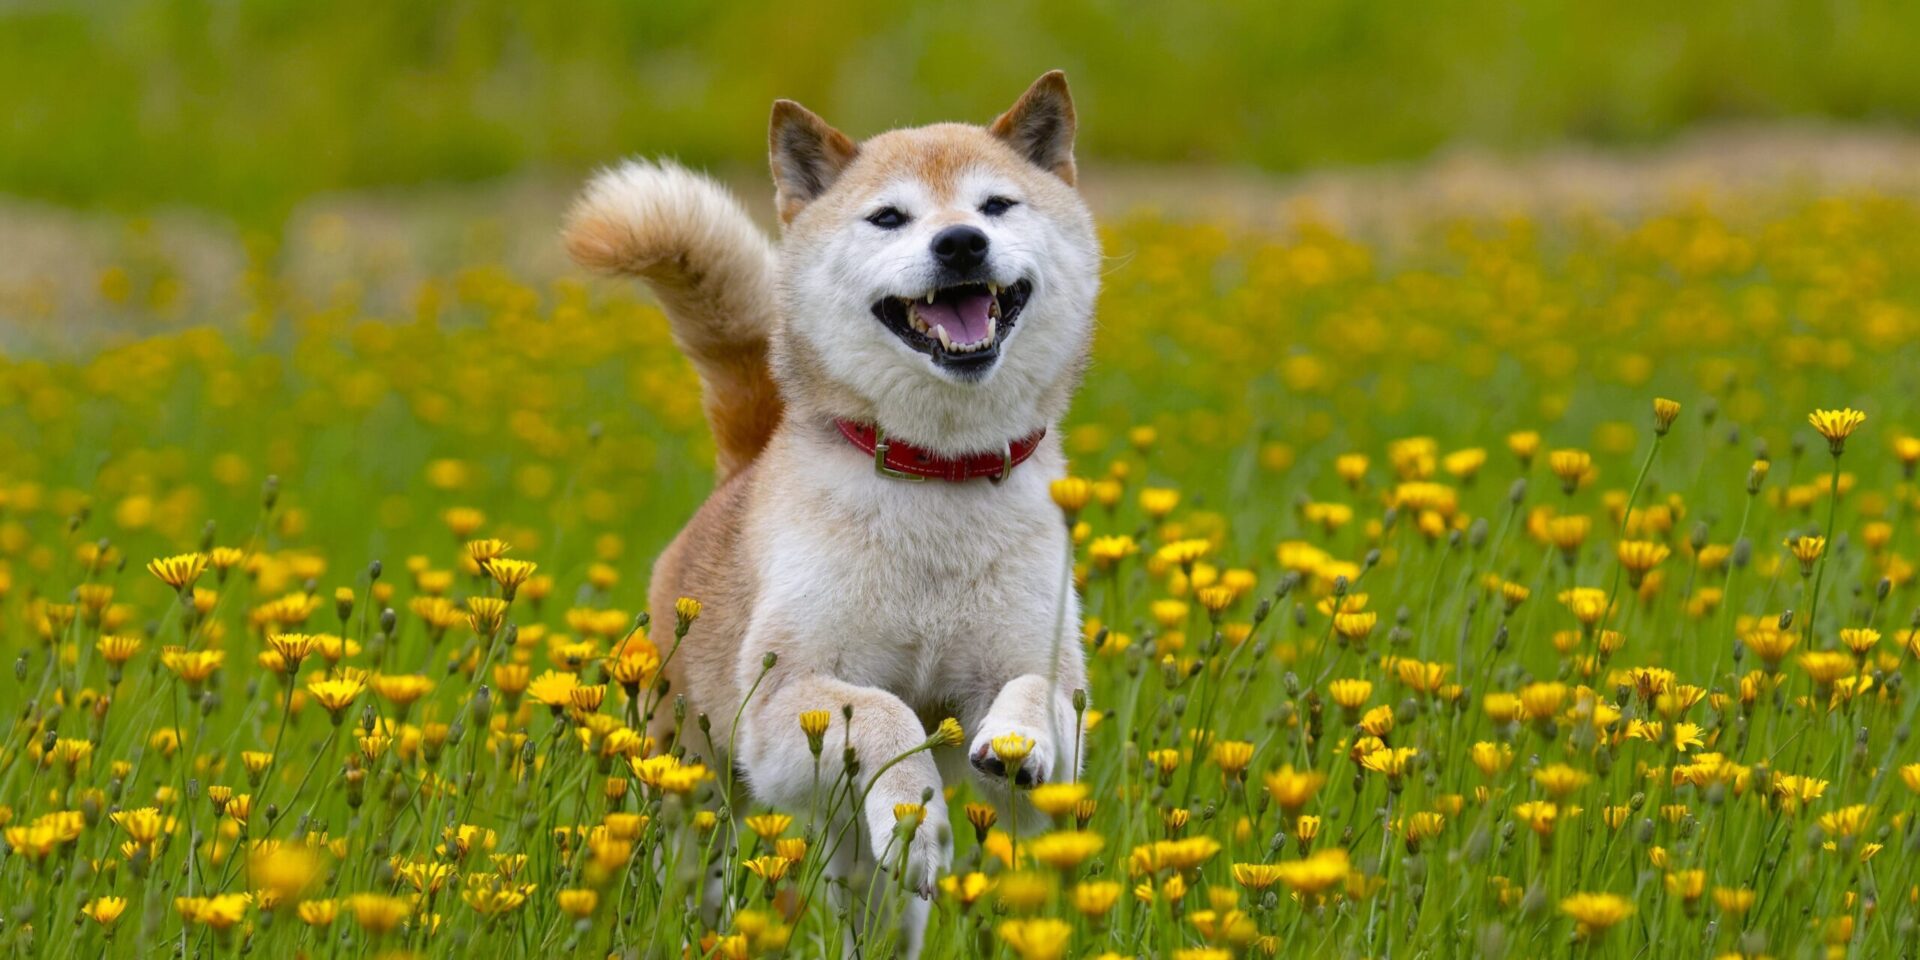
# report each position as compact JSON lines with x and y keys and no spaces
{"x":994,"y":289}
{"x":929,"y":297}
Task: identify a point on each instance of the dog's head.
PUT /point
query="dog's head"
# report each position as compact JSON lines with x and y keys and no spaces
{"x":937,"y":280}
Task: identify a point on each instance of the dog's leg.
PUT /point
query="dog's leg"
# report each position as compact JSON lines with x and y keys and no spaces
{"x":781,"y":768}
{"x":879,"y":926}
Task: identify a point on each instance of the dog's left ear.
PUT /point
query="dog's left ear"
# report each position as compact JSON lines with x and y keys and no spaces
{"x":1040,"y":125}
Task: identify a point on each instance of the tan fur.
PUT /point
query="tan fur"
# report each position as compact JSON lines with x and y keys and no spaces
{"x":713,"y":272}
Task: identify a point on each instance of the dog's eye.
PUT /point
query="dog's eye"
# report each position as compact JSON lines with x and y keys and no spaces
{"x":887,"y":218}
{"x":996,"y":206}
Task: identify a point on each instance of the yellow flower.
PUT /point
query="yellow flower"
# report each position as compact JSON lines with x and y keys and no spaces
{"x":982,"y":816}
{"x":1355,"y":626}
{"x":105,"y":910}
{"x":768,"y":826}
{"x":1012,"y":749}
{"x":1910,"y":775}
{"x":1183,"y":553}
{"x":1539,"y":815}
{"x":966,"y":888}
{"x":118,"y":649}
{"x":1317,"y":873}
{"x":510,"y":574}
{"x":587,"y":699}
{"x":1292,"y":789}
{"x":1491,"y":757}
{"x":180,"y":571}
{"x":685,"y":611}
{"x":377,"y":913}
{"x":292,"y":649}
{"x":1232,"y":756}
{"x":1844,"y":822}
{"x":220,"y":911}
{"x":484,"y":551}
{"x":1391,"y":761}
{"x":1807,"y":550}
{"x":772,"y":868}
{"x":336,"y":694}
{"x":554,"y":689}
{"x":192,"y":666}
{"x":577,"y":903}
{"x":1064,"y":850}
{"x":144,"y":824}
{"x":1215,"y":598}
{"x":486,"y":614}
{"x":1057,"y":799}
{"x":1559,"y":779}
{"x":1095,"y":899}
{"x":1664,"y":413}
{"x":1571,"y":466}
{"x":492,"y":897}
{"x":1524,"y":445}
{"x":1107,"y":552}
{"x":793,"y":848}
{"x":1639,"y":557}
{"x":1071,"y":494}
{"x":1860,"y":640}
{"x":1157,"y":502}
{"x":1836,"y":426}
{"x":1256,"y":876}
{"x":400,"y":689}
{"x":1587,"y":604}
{"x":318,"y":913}
{"x":813,"y":723}
{"x":1595,"y":912}
{"x":1734,"y":900}
{"x":1350,"y":694}
{"x":1040,"y":938}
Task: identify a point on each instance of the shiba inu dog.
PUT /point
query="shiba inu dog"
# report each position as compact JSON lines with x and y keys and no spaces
{"x":883,"y":387}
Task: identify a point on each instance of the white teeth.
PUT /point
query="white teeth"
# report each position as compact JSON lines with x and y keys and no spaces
{"x":946,"y":343}
{"x":994,"y":289}
{"x":929,"y":297}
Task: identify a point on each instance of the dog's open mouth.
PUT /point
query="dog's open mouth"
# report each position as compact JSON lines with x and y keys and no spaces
{"x":960,"y":327}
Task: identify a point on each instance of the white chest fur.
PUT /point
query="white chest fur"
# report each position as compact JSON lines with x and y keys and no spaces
{"x":929,"y":590}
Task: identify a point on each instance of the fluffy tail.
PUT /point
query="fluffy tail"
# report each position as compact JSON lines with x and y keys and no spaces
{"x":712,"y":270}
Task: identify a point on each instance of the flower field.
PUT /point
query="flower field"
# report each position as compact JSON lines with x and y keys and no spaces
{"x":1521,"y":587}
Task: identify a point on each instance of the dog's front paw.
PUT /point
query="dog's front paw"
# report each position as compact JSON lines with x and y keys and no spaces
{"x":929,"y":845}
{"x":1028,"y":753}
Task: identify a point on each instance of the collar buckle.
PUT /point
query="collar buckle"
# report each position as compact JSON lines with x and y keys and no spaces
{"x":880,"y":460}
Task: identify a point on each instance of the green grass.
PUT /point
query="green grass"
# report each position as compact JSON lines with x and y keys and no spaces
{"x":1235,"y":368}
{"x":248,"y":106}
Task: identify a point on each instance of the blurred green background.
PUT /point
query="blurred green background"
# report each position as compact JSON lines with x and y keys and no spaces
{"x":246,"y":106}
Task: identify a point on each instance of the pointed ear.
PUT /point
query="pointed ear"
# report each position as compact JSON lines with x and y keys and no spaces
{"x":807,"y":155}
{"x":1040,"y":125}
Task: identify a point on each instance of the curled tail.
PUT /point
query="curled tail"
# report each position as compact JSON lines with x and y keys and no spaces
{"x":712,"y":270}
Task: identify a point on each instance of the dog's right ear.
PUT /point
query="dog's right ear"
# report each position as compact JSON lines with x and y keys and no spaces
{"x":806,"y":154}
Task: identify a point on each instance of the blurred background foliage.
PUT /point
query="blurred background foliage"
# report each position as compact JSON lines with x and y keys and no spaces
{"x":246,"y":106}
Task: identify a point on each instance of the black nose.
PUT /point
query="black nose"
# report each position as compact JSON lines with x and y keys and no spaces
{"x":960,"y":248}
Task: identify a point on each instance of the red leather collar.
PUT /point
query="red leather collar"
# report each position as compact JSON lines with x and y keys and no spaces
{"x":904,"y":461}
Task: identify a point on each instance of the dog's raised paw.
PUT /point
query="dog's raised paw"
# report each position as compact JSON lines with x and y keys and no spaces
{"x":1028,"y":754}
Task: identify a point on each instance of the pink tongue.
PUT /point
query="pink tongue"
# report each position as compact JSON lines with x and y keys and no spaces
{"x":964,"y":318}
